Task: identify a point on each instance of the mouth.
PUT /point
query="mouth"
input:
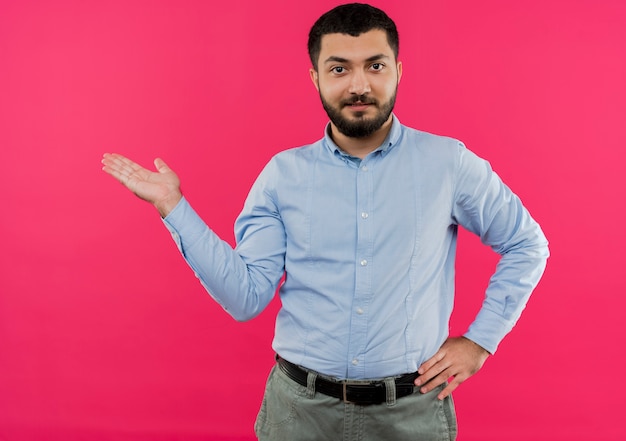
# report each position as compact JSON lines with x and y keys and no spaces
{"x":358,"y":100}
{"x":359,"y":106}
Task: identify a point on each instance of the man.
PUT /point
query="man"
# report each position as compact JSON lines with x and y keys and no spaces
{"x":363,"y":224}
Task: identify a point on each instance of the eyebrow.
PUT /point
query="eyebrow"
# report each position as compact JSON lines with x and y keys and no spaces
{"x":336,"y":59}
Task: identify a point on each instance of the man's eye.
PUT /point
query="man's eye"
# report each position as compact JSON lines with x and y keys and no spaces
{"x":338,"y":69}
{"x":377,"y":66}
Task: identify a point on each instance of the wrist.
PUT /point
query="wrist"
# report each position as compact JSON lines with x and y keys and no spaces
{"x":165,"y":206}
{"x":479,"y":347}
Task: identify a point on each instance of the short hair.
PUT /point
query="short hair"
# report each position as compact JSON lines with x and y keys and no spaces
{"x":352,"y":19}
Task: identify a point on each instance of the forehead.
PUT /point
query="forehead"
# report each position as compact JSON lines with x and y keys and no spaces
{"x":356,"y":48}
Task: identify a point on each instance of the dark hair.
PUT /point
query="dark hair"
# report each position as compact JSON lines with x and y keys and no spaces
{"x":352,"y":19}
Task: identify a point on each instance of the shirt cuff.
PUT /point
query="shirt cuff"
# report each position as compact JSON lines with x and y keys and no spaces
{"x":185,"y":225}
{"x":488,"y":330}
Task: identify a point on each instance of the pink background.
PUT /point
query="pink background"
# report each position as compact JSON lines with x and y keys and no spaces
{"x":104,"y":332}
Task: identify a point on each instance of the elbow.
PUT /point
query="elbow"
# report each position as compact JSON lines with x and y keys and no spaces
{"x":242,"y":315}
{"x":246,"y":310}
{"x":243,"y":303}
{"x":543,"y":245}
{"x":532,"y":245}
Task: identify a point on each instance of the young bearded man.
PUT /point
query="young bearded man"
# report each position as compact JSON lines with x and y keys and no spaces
{"x":363,"y":225}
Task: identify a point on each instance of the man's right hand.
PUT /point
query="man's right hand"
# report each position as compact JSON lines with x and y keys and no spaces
{"x":160,"y":188}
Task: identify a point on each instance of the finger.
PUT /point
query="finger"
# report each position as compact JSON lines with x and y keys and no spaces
{"x":127,"y":164}
{"x":430,"y":374}
{"x":107,"y":159}
{"x":448,"y":390}
{"x":432,"y":361}
{"x":161,"y":166}
{"x":455,"y":378}
{"x":121,"y":168}
{"x":436,"y":381}
{"x":432,"y":368}
{"x":130,"y":169}
{"x":114,"y":158}
{"x":113,"y":169}
{"x":117,"y":163}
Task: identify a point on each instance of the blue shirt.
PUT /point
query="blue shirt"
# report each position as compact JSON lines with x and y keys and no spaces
{"x":367,"y":249}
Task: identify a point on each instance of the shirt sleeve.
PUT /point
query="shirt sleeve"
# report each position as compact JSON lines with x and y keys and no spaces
{"x":243,"y":283}
{"x":485,"y":206}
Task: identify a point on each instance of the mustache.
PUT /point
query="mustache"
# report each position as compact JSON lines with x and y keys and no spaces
{"x":361,"y":99}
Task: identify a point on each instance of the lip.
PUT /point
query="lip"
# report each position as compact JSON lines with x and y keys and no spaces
{"x":358,"y":107}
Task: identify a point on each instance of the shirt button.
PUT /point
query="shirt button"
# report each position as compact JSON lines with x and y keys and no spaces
{"x":355,"y":362}
{"x":363,"y":262}
{"x":364,"y":168}
{"x":364,"y":215}
{"x":359,"y":311}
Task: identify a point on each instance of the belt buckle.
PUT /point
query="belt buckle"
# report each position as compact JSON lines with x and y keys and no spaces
{"x":361,"y":393}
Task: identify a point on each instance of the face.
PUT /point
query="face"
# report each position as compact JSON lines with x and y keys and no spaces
{"x":357,"y":79}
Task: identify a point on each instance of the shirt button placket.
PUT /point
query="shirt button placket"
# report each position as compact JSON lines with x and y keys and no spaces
{"x":358,"y":331}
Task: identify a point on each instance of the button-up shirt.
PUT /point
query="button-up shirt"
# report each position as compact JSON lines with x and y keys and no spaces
{"x":367,"y":249}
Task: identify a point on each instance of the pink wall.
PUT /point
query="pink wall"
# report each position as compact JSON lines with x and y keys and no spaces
{"x":104,"y":332}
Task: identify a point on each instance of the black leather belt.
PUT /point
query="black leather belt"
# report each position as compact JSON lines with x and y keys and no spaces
{"x":350,"y":392}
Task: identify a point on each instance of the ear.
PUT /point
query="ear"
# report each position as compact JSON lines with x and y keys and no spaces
{"x":399,"y":69}
{"x":315,"y":78}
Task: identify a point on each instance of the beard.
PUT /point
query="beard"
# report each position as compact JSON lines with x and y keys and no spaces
{"x":360,"y":126}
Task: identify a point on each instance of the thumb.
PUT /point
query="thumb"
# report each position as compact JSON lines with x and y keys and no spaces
{"x":161,"y":166}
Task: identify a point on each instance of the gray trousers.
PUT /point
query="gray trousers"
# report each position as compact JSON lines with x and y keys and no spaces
{"x":291,"y":412}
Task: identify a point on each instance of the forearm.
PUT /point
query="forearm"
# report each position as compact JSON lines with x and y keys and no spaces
{"x":241,"y":289}
{"x":516,"y":276}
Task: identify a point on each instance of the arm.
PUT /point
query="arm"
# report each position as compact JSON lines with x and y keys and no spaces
{"x":241,"y":283}
{"x":487,"y":207}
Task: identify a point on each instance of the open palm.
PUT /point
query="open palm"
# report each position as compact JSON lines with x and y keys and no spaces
{"x":160,"y":188}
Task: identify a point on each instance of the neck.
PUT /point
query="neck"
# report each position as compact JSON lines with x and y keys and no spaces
{"x":361,"y":147}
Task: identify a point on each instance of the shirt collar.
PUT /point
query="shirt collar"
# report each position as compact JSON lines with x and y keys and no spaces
{"x":390,"y":141}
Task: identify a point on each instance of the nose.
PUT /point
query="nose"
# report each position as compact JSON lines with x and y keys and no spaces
{"x":359,"y":85}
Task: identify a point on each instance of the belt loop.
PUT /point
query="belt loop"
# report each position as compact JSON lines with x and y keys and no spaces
{"x":310,"y":384}
{"x":344,"y":393}
{"x":390,"y":389}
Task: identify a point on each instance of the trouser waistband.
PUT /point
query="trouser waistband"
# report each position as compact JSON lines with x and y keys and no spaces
{"x":355,"y":392}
